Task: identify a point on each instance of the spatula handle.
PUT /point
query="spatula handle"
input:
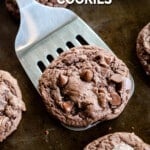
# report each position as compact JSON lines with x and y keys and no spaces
{"x":24,"y":3}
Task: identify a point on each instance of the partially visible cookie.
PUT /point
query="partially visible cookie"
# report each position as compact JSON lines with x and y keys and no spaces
{"x":11,"y":105}
{"x":85,"y":85}
{"x":118,"y":141}
{"x":12,"y":7}
{"x":143,"y":48}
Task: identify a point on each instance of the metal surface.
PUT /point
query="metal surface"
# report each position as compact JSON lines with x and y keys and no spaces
{"x":45,"y":29}
{"x":38,"y":21}
{"x":118,"y":24}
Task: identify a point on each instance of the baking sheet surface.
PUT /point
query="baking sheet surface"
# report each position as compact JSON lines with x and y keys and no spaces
{"x":118,"y":25}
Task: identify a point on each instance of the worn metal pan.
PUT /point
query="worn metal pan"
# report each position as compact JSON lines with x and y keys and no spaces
{"x":118,"y":24}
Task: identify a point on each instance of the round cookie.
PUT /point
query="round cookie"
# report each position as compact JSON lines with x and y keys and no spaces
{"x":143,"y":48}
{"x":11,"y":105}
{"x":12,"y":7}
{"x":118,"y":141}
{"x":85,"y":85}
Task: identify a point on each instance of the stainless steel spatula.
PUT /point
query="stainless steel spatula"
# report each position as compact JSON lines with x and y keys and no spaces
{"x":45,"y":32}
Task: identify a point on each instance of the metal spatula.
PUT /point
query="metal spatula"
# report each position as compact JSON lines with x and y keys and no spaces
{"x":46,"y":32}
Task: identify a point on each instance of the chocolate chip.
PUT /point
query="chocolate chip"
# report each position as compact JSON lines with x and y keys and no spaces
{"x":116,"y":78}
{"x":62,"y":80}
{"x":67,"y":106}
{"x":87,"y":75}
{"x":116,"y":99}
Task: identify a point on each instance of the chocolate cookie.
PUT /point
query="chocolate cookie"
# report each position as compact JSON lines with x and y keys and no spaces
{"x":12,"y":7}
{"x":11,"y":105}
{"x":85,"y":85}
{"x":143,"y":48}
{"x":118,"y":141}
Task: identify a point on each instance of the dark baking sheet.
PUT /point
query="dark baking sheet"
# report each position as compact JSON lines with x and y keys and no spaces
{"x":118,"y":24}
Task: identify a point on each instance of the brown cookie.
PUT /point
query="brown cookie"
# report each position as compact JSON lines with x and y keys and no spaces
{"x":12,"y":7}
{"x":11,"y":105}
{"x":118,"y":141}
{"x":85,"y":85}
{"x":143,"y":48}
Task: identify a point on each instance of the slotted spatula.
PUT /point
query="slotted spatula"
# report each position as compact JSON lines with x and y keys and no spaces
{"x":45,"y":32}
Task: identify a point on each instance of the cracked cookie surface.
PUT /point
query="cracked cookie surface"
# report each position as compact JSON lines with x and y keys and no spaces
{"x":84,"y":85}
{"x":118,"y":141}
{"x":11,"y":104}
{"x":143,"y":48}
